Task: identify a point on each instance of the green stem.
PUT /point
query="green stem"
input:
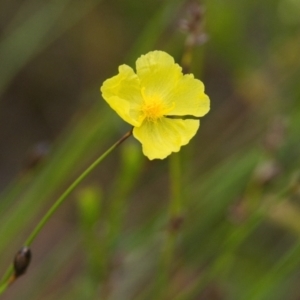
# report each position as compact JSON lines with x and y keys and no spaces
{"x":175,"y":211}
{"x":72,"y":187}
{"x":186,"y":60}
{"x":175,"y":206}
{"x":175,"y":178}
{"x":59,"y":202}
{"x":174,"y":224}
{"x":3,"y":287}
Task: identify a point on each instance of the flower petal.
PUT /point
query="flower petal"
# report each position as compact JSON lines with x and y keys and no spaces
{"x":158,"y":73}
{"x":189,"y":98}
{"x":122,"y":92}
{"x":159,"y":139}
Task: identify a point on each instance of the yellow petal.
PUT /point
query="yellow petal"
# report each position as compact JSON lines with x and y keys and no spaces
{"x":122,"y":92}
{"x":159,"y":139}
{"x":189,"y":98}
{"x":158,"y":74}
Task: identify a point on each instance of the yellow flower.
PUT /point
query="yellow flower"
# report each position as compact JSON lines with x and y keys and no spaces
{"x":158,"y":101}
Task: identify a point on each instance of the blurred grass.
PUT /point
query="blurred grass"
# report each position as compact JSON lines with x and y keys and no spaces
{"x":237,"y":240}
{"x":33,"y":28}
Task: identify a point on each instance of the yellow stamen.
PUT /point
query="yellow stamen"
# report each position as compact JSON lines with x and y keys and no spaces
{"x":154,"y":107}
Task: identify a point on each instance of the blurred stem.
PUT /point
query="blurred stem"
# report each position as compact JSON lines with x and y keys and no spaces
{"x":175,"y":206}
{"x":186,"y":60}
{"x":130,"y":167}
{"x":3,"y":287}
{"x":174,"y":222}
{"x":237,"y":235}
{"x":9,"y":273}
{"x":175,"y":176}
{"x":266,"y":287}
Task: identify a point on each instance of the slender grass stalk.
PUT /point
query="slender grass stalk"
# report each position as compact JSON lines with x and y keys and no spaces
{"x":265,"y":288}
{"x":6,"y":280}
{"x":236,"y":236}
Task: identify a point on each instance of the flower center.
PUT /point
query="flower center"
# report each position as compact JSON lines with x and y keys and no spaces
{"x":154,"y":108}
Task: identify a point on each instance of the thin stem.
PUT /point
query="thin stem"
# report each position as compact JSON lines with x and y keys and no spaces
{"x":175,"y":206}
{"x":3,"y":287}
{"x":71,"y":188}
{"x":59,"y":202}
{"x":175,"y":211}
{"x":176,"y":189}
{"x":174,"y":224}
{"x":186,"y":60}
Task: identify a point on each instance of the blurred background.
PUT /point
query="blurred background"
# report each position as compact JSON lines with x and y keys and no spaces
{"x":236,"y":235}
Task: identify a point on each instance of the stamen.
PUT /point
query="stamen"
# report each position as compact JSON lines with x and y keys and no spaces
{"x":154,"y":107}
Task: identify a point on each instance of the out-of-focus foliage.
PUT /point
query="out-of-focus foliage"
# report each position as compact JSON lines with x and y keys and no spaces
{"x":240,"y":175}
